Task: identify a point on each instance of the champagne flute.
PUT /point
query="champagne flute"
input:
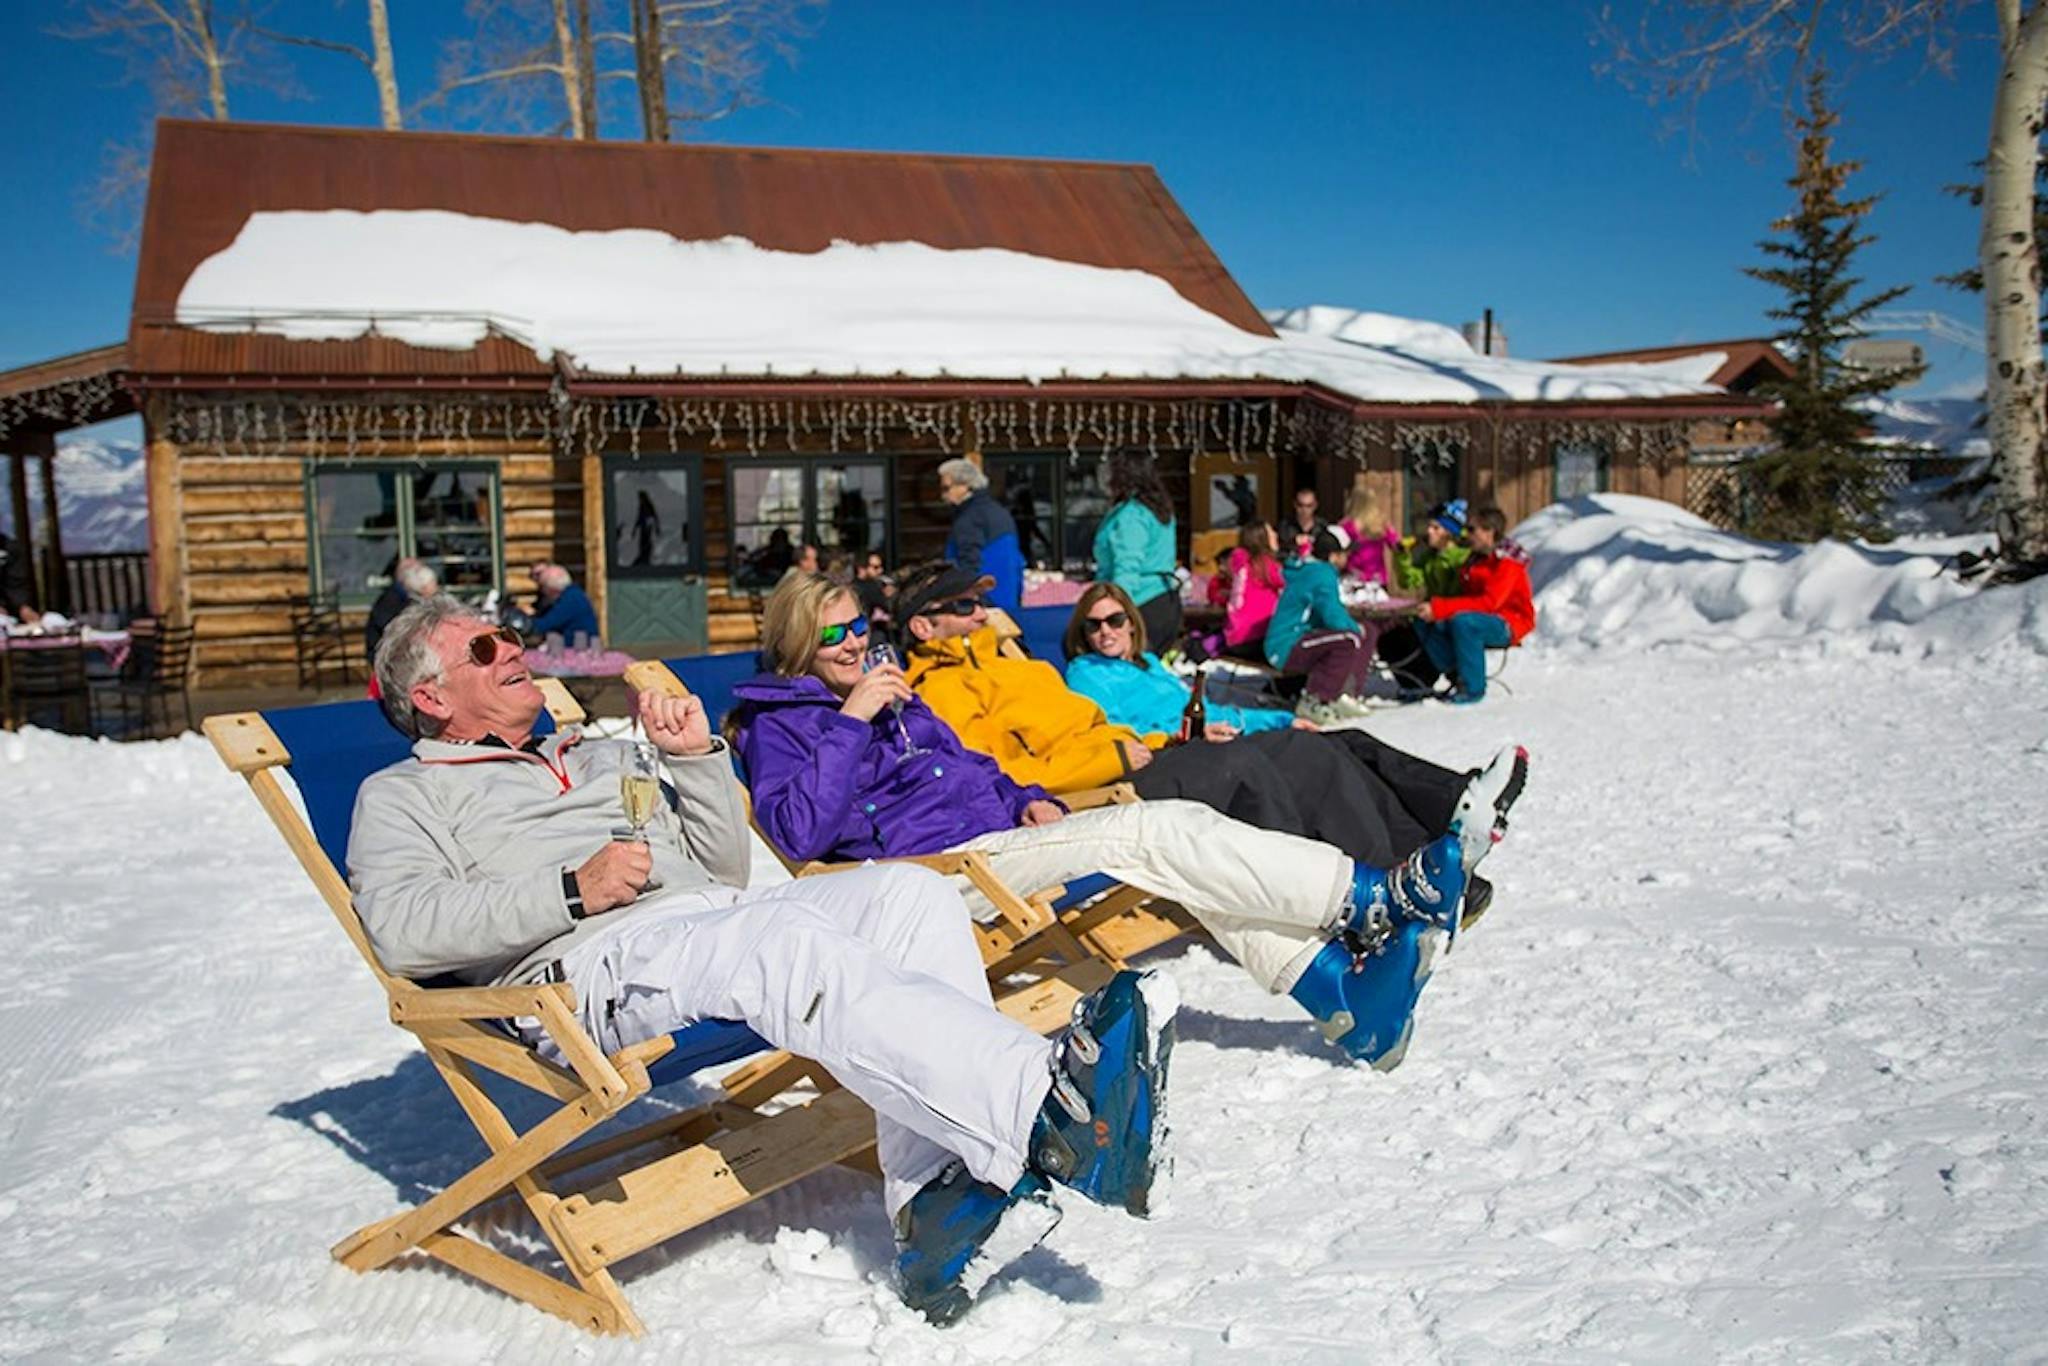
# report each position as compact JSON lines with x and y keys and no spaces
{"x":639,"y":793}
{"x":881,"y":655}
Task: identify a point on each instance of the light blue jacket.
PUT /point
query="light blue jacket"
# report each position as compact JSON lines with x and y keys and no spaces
{"x":1134,"y":551}
{"x":1152,"y":698}
{"x":1310,"y":602}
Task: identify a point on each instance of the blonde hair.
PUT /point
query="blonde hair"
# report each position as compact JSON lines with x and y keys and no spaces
{"x":1362,"y":510}
{"x":791,"y":617}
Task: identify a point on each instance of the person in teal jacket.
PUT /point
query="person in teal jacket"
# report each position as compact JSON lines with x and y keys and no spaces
{"x":1134,"y":544}
{"x":1312,"y":632}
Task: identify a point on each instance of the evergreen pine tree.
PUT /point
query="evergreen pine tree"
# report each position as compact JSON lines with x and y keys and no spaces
{"x":1821,"y":480}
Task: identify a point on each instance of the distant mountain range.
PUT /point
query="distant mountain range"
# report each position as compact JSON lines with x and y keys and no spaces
{"x":1952,"y":426}
{"x":102,"y":498}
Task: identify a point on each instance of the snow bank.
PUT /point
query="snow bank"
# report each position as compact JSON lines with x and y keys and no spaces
{"x":637,"y":301}
{"x":1614,"y":570}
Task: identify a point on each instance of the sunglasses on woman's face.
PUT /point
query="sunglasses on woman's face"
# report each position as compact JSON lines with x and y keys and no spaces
{"x":828,"y":636}
{"x":483,"y":646}
{"x":958,"y":607}
{"x":1115,"y":621}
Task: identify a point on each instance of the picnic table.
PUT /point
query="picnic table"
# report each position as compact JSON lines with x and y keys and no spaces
{"x":582,"y":671}
{"x":1381,"y":611}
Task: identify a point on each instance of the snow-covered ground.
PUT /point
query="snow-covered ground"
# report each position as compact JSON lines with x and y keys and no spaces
{"x":1747,"y":1062}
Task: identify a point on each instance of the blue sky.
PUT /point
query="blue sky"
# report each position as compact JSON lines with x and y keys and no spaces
{"x":1421,"y":158}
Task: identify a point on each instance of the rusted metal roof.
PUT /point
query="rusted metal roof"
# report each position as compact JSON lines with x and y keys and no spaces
{"x":1739,"y":373}
{"x":207,"y":178}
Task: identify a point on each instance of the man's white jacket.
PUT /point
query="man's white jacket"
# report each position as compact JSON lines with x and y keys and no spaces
{"x":456,"y":854}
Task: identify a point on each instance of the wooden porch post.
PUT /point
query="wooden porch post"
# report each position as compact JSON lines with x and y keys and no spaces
{"x":56,"y":593}
{"x":17,"y":486}
{"x":594,"y":548}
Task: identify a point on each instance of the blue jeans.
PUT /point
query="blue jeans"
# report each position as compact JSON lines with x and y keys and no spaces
{"x":1457,"y":645}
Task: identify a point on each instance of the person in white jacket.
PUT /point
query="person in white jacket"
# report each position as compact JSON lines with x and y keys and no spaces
{"x":490,"y":855}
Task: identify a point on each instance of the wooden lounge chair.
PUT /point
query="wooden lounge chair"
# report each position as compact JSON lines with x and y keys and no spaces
{"x":598,"y":1203}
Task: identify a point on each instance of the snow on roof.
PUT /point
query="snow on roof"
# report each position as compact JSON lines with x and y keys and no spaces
{"x":638,"y":301}
{"x":1698,"y":368}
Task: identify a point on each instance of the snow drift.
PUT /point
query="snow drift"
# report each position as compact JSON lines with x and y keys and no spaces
{"x":1613,"y":570}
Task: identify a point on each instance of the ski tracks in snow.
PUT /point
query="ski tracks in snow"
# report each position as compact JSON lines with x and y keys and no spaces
{"x":1744,"y":1062}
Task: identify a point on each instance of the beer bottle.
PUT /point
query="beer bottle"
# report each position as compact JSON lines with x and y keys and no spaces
{"x":1195,"y":720}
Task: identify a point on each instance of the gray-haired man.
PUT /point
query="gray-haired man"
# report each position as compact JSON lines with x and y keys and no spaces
{"x":488,"y":855}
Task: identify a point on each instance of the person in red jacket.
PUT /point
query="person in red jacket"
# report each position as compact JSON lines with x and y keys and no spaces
{"x":1493,"y":607}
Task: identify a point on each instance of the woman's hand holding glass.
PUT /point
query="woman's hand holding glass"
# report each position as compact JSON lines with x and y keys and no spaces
{"x":878,"y":688}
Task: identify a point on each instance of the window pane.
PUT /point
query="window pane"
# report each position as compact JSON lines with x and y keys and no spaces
{"x":355,"y":517}
{"x":1435,"y":474}
{"x":1025,"y":487}
{"x":1580,"y":470}
{"x":451,"y":520}
{"x":651,"y":518}
{"x":853,"y":507}
{"x":1087,"y":501}
{"x":767,"y":521}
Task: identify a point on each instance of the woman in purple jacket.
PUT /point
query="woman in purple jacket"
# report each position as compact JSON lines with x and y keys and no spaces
{"x":838,"y":772}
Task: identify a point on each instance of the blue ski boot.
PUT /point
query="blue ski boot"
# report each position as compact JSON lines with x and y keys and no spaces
{"x":1427,"y":888}
{"x":1364,"y":999}
{"x":1102,"y":1124}
{"x":957,"y":1232}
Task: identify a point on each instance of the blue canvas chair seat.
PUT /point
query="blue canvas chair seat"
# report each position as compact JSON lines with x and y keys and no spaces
{"x":596,"y":1199}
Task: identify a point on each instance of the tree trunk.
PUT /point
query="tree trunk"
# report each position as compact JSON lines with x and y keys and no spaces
{"x":210,"y":56}
{"x":2016,"y":382}
{"x":572,"y":72}
{"x":383,"y":67}
{"x":586,"y":67}
{"x":651,"y":70}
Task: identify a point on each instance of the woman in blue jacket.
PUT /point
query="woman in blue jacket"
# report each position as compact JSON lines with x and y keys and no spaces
{"x":1312,"y":631}
{"x":1354,"y":791}
{"x":1134,"y":545}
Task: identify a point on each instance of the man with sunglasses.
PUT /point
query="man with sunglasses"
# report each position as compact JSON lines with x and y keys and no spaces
{"x":490,"y":855}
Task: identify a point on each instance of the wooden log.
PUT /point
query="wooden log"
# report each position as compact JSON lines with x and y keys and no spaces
{"x":223,"y":529}
{"x":166,"y":520}
{"x":246,"y":556}
{"x":217,"y":590}
{"x":244,"y":498}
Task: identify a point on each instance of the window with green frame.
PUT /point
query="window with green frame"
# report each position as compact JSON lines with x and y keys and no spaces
{"x":365,"y":516}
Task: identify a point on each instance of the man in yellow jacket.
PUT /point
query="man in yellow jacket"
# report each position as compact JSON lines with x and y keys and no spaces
{"x":1019,"y":712}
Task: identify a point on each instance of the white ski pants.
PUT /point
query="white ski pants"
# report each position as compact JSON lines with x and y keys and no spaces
{"x":1269,"y":899}
{"x":872,"y":973}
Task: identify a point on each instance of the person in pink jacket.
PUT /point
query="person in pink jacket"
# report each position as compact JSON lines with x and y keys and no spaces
{"x":1373,"y":538}
{"x":1255,"y":581}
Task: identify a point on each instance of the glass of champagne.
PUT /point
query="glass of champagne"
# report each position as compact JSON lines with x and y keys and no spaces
{"x":880,"y":655}
{"x":639,"y":792}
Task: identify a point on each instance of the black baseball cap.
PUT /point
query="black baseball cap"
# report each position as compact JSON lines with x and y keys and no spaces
{"x":922,"y":593}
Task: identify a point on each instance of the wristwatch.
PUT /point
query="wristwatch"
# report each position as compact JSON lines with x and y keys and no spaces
{"x":573,"y":894}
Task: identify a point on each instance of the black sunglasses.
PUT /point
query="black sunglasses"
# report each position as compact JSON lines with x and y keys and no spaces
{"x":956,"y":607}
{"x":1114,"y":621}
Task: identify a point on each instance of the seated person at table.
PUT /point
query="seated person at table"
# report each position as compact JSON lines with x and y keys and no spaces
{"x":562,"y":609}
{"x":1371,"y":800}
{"x":490,"y":855}
{"x":17,"y":591}
{"x":1373,"y":537}
{"x":1492,"y":606}
{"x":411,"y":581}
{"x":1312,"y":633}
{"x":850,"y":764}
{"x":1252,"y":579}
{"x":1426,"y":567}
{"x":1021,"y":713}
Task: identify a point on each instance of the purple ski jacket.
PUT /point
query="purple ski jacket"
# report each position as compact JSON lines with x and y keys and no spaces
{"x":826,"y":786}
